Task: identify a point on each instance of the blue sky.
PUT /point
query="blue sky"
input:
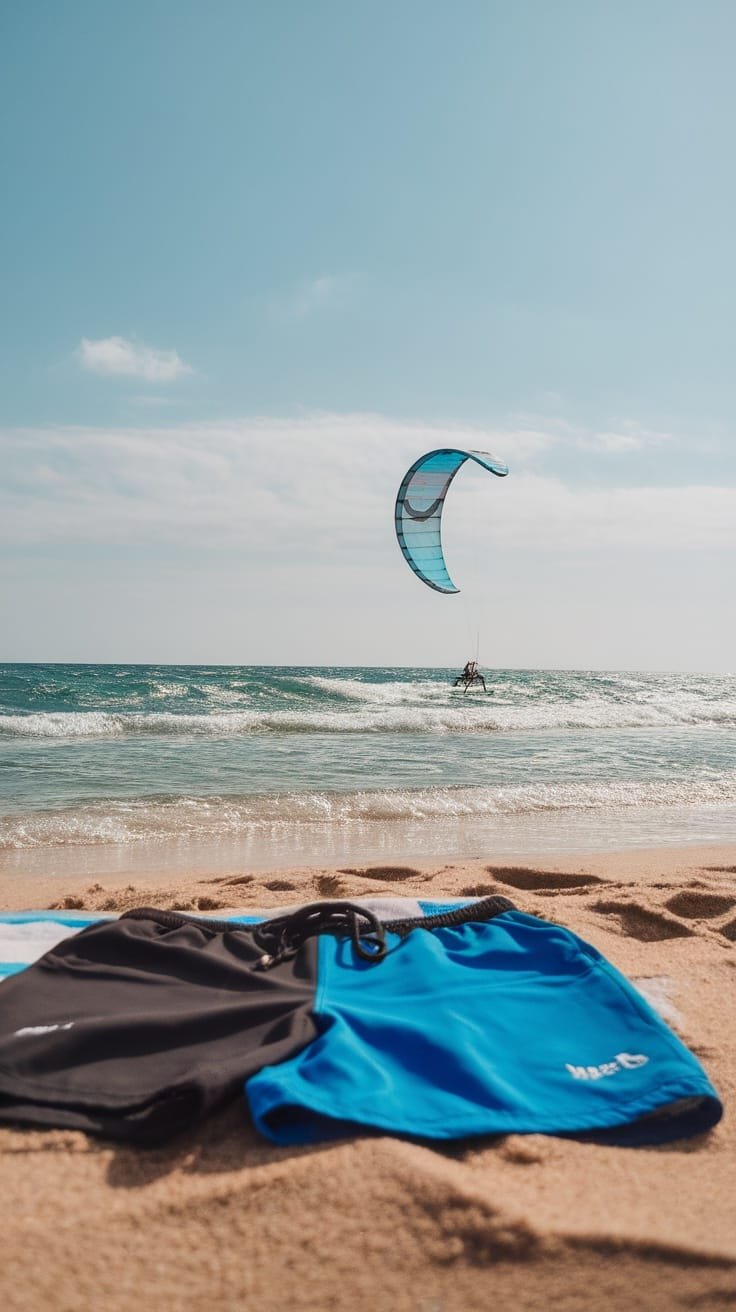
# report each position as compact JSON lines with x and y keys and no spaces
{"x":256,"y":258}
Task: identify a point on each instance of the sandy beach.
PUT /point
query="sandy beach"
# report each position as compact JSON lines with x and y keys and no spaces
{"x":224,"y":1220}
{"x":367,"y":536}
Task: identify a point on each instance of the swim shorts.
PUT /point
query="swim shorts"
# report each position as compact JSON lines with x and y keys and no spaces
{"x":477,"y":1020}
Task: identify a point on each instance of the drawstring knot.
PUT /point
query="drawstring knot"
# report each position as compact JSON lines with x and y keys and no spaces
{"x":283,"y":936}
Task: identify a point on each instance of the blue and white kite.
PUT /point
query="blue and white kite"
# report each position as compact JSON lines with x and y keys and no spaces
{"x":419,"y":510}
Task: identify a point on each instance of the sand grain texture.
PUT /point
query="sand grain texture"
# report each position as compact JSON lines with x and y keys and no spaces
{"x":221,"y":1220}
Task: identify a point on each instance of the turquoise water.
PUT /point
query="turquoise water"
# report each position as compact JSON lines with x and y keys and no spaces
{"x":112,"y":766}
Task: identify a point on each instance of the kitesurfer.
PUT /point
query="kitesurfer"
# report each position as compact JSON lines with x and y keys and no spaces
{"x":470,"y":676}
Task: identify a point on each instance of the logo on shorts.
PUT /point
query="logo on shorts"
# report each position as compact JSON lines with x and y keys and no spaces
{"x":31,"y":1030}
{"x":623,"y":1061}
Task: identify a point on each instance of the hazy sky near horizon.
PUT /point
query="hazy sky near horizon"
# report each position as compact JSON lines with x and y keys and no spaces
{"x":255,"y":259}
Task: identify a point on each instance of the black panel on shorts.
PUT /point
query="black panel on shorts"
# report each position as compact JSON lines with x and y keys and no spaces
{"x":135,"y":1028}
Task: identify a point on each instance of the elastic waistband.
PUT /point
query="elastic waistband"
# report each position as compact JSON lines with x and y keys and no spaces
{"x":484,"y":909}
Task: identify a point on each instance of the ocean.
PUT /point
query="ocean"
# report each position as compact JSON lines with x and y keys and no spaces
{"x":123,"y":768}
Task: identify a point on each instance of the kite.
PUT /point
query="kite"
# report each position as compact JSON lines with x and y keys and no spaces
{"x":419,"y":510}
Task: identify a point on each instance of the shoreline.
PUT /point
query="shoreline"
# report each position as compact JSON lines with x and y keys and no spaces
{"x":241,"y":886}
{"x":317,"y":846}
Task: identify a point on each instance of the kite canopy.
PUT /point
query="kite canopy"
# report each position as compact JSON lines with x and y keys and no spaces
{"x":419,"y":510}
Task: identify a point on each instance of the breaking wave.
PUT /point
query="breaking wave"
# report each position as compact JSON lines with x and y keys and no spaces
{"x":469,"y":716}
{"x":124,"y":821}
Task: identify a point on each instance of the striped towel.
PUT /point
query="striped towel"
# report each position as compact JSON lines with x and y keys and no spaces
{"x":26,"y":935}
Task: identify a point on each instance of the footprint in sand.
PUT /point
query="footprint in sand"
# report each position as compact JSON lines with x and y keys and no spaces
{"x":694,"y":905}
{"x":392,"y":874}
{"x":546,"y":882}
{"x":279,"y":886}
{"x":639,"y":922}
{"x":198,"y":903}
{"x":329,"y":886}
{"x":67,"y":903}
{"x":228,"y":880}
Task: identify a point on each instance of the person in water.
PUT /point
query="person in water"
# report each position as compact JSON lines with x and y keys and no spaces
{"x":470,"y":676}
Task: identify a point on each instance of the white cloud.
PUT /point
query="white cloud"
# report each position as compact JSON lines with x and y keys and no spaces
{"x":522,"y":443}
{"x":547,"y":513}
{"x":120,"y":357}
{"x":629,"y":437}
{"x":320,"y":488}
{"x":273,"y":539}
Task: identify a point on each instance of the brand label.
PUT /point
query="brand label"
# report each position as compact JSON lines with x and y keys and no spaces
{"x":42,"y":1029}
{"x":623,"y":1061}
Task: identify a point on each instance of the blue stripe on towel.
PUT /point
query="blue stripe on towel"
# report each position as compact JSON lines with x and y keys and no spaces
{"x":20,"y":944}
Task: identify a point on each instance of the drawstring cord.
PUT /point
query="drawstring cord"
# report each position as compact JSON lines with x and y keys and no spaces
{"x":281,"y":937}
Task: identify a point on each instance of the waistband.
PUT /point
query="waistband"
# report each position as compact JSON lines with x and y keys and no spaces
{"x":281,"y":936}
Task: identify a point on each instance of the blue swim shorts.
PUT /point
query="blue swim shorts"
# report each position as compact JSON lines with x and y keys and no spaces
{"x":476,"y":1019}
{"x":482,"y":1020}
